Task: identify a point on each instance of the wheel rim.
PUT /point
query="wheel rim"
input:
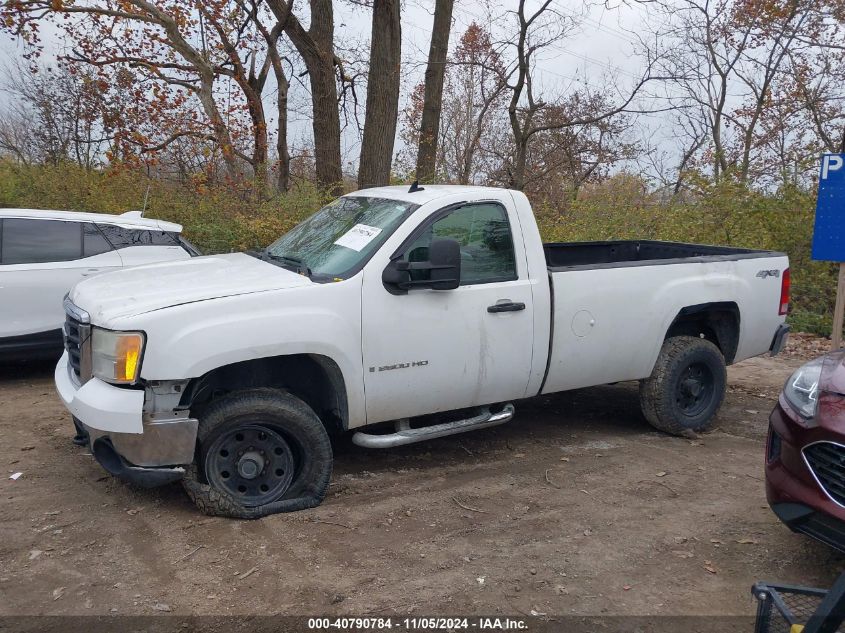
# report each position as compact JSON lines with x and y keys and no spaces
{"x":695,"y":389}
{"x":253,"y":463}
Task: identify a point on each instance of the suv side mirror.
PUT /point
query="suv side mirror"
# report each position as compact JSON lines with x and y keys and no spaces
{"x":444,"y":266}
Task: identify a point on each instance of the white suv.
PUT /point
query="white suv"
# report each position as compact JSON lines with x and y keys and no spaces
{"x":44,"y":253}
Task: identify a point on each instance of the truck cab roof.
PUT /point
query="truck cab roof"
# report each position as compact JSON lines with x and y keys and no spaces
{"x":425,"y":193}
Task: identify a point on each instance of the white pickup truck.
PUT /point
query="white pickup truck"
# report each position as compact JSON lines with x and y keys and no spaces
{"x":230,"y":372}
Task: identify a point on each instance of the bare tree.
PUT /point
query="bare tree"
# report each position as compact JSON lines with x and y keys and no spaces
{"x":471,"y":111}
{"x":162,"y":54}
{"x":382,"y":95}
{"x":473,"y":107}
{"x":527,"y":107}
{"x":316,"y":46}
{"x":54,"y":115}
{"x":432,"y":103}
{"x":727,"y":59}
{"x":564,"y":158}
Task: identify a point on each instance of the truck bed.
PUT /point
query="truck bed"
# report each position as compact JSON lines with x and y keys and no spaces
{"x":614,"y":302}
{"x":562,"y":256}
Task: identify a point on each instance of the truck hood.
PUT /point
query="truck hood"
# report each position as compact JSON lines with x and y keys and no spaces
{"x":141,"y":289}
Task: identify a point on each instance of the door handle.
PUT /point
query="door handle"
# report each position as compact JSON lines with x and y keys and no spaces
{"x":506,"y":306}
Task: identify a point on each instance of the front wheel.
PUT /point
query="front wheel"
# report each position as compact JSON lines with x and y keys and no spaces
{"x":686,"y":387}
{"x":259,"y":452}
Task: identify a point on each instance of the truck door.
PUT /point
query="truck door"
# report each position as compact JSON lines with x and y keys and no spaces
{"x":437,"y":350}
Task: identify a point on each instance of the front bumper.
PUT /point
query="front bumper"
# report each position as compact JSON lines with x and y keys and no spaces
{"x":804,"y":519}
{"x":125,"y":439}
{"x":791,"y":489}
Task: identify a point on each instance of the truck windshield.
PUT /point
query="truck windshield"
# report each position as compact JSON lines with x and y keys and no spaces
{"x":338,"y":240}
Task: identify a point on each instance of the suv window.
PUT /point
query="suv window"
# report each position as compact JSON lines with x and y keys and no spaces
{"x":121,"y":237}
{"x":93,"y":242}
{"x":24,"y":241}
{"x":484,"y":234}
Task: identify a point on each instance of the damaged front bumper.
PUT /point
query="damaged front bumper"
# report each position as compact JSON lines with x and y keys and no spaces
{"x":127,"y":434}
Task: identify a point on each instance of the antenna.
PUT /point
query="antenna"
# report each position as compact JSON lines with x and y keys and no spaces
{"x":416,"y":187}
{"x":146,"y":195}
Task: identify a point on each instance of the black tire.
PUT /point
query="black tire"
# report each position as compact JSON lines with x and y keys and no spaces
{"x":686,"y":387}
{"x":285,"y":420}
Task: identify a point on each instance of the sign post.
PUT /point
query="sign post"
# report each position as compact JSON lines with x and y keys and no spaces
{"x":839,"y":310}
{"x":829,"y":231}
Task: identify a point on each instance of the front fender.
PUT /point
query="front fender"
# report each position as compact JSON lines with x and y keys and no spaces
{"x":189,"y":340}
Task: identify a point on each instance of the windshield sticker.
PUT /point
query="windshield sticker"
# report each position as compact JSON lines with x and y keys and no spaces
{"x":358,"y":236}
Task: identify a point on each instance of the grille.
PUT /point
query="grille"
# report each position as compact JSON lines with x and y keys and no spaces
{"x":73,"y":343}
{"x":76,"y":336}
{"x":827,"y":461}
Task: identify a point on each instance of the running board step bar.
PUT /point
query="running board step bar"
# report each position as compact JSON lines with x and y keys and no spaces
{"x":404,"y":434}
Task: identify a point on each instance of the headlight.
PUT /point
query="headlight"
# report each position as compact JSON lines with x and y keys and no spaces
{"x":802,"y":389}
{"x":116,"y":356}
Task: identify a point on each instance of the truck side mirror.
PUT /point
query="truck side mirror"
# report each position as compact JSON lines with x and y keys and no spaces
{"x":445,"y":259}
{"x":443,"y":266}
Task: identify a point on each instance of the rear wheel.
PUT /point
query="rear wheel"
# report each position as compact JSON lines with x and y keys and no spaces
{"x":686,"y":387}
{"x":260,"y":452}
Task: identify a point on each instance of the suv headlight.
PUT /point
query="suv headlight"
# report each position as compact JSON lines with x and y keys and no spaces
{"x":802,"y":389}
{"x":116,"y":356}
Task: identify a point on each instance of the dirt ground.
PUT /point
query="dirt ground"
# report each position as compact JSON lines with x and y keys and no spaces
{"x":576,"y":507}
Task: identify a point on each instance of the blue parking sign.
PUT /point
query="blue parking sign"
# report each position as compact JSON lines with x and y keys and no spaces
{"x":829,"y":229}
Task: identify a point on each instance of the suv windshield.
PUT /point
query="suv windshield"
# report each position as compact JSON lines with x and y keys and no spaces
{"x":338,"y":239}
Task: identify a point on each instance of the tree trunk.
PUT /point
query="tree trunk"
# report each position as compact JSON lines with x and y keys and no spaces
{"x":282,"y":87}
{"x":316,"y":46}
{"x":221,"y":132}
{"x":259,"y":133}
{"x":382,"y":96}
{"x":433,"y":99}
{"x":517,"y":176}
{"x":283,"y":176}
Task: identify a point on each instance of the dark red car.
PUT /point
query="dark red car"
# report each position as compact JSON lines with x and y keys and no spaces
{"x":805,"y":452}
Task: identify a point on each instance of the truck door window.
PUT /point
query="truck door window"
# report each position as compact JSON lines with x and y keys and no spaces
{"x":486,"y":242}
{"x":37,"y":241}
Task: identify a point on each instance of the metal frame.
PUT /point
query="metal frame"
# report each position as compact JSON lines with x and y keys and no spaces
{"x":831,"y":611}
{"x":827,"y":618}
{"x":404,"y":434}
